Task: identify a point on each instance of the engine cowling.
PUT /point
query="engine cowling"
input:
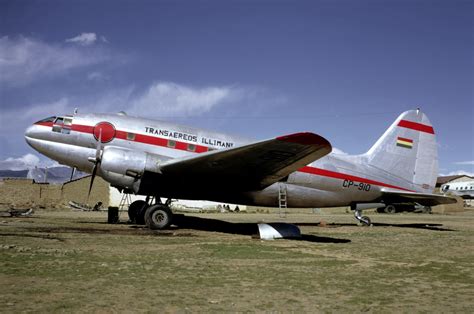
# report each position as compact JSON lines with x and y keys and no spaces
{"x":124,"y":167}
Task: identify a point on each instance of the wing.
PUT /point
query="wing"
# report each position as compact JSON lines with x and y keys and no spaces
{"x":248,"y":167}
{"x":390,"y":196}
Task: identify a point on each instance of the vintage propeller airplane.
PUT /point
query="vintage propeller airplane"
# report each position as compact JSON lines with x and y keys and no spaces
{"x":161,"y":159}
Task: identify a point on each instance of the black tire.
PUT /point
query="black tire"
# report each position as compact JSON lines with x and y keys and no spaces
{"x":426,"y":210}
{"x":366,"y":221}
{"x":390,"y":209}
{"x":158,"y":217}
{"x":136,"y":212}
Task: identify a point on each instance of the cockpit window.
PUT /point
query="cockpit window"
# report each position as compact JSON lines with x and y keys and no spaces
{"x":62,"y":125}
{"x":49,"y":119}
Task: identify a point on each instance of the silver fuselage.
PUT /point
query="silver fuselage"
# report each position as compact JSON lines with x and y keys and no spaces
{"x":334,"y":180}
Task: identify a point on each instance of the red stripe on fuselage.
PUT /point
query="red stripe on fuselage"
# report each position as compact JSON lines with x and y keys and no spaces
{"x":342,"y":176}
{"x":145,"y":139}
{"x":44,"y":123}
{"x":83,"y":128}
{"x":416,"y":126}
{"x":157,"y":141}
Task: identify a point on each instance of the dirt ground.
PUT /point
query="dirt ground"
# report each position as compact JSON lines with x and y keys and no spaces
{"x":65,"y":261}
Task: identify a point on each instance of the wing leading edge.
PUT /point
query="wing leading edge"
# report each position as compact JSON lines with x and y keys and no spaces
{"x":248,"y":167}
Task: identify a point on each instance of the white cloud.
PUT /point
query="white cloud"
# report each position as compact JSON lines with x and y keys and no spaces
{"x":84,"y":39}
{"x":97,"y":76}
{"x":337,"y":151}
{"x":27,"y":161}
{"x":23,"y":60}
{"x":458,"y":172}
{"x":470,"y":162}
{"x":42,"y":110}
{"x":166,"y":98}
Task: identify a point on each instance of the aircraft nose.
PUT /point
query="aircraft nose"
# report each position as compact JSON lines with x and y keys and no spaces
{"x":31,"y":133}
{"x":28,"y":134}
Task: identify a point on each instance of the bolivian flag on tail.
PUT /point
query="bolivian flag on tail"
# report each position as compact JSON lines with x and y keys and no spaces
{"x":404,"y":142}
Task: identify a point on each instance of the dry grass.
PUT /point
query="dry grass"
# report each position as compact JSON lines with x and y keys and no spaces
{"x":73,"y":261}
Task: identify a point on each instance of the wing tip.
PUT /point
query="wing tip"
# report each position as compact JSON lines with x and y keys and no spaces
{"x":304,"y":138}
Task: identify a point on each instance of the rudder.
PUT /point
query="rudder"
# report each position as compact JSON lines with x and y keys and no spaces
{"x":408,"y":150}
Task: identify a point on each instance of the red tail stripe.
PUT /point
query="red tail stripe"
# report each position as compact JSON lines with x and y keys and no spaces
{"x":416,"y":126}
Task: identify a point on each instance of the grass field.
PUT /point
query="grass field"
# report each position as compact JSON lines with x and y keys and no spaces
{"x":74,"y":261}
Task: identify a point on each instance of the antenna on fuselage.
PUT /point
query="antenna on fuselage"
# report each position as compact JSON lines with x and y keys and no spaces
{"x":75,"y":111}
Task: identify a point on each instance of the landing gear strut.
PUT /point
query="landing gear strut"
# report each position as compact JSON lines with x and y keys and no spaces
{"x":362,"y":219}
{"x":358,"y":207}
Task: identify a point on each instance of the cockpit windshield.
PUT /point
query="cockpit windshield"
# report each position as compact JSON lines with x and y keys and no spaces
{"x":62,"y":124}
{"x":49,"y":119}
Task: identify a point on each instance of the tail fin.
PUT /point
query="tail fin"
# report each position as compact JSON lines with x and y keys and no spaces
{"x":408,"y":151}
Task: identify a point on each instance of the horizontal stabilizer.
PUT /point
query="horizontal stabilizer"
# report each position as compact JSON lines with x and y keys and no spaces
{"x":390,"y":196}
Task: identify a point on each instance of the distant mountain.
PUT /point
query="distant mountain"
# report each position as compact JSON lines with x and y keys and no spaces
{"x":13,"y":173}
{"x":54,"y":175}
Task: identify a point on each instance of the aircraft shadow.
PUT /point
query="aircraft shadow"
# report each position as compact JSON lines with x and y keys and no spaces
{"x":250,"y":229}
{"x":427,"y":226}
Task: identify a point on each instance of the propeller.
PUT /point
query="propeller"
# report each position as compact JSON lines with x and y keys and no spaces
{"x":96,"y":160}
{"x":73,"y":171}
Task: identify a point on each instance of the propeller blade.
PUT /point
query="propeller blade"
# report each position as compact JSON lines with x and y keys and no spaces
{"x":72,"y":173}
{"x":98,"y":157}
{"x":99,"y":144}
{"x":94,"y":172}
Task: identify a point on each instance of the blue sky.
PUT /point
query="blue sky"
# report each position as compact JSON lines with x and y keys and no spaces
{"x":254,"y":68}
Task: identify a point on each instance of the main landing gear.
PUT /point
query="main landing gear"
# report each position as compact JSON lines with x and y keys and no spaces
{"x":151,"y":212}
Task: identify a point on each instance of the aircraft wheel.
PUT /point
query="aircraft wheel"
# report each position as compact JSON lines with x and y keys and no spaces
{"x":136,"y":212}
{"x":426,"y":210}
{"x":390,"y":209}
{"x":365,"y":221}
{"x":158,"y":217}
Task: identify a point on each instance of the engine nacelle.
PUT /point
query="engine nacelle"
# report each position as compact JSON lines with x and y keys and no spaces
{"x":124,"y":167}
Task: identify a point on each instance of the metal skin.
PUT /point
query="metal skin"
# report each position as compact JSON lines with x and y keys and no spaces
{"x":402,"y":164}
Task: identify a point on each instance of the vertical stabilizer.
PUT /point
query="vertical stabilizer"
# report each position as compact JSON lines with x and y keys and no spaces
{"x":408,"y":151}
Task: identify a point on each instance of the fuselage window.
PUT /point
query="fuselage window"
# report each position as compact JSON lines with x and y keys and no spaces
{"x":171,"y":144}
{"x":130,"y":136}
{"x":191,"y":147}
